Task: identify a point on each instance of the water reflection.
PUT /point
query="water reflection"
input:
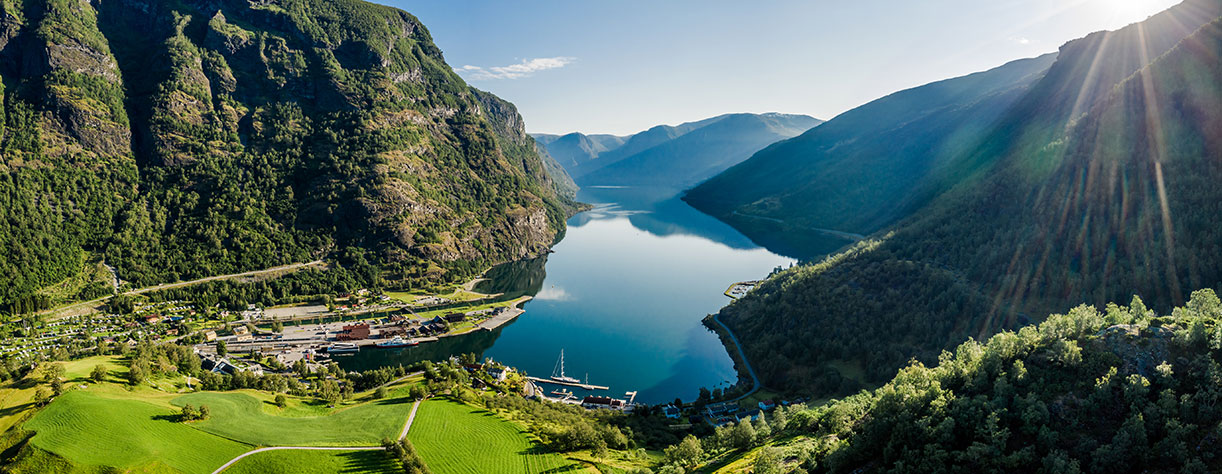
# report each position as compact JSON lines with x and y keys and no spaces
{"x":623,"y":295}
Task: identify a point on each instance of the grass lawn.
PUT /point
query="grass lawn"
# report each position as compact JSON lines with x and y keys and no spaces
{"x":454,"y":438}
{"x":17,"y":396}
{"x":248,"y":419}
{"x":311,"y":462}
{"x":88,"y":428}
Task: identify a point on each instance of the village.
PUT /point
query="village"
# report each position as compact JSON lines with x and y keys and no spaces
{"x":280,"y":338}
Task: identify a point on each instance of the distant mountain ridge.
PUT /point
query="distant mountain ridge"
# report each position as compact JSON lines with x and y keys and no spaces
{"x":864,"y":169}
{"x":674,"y":156}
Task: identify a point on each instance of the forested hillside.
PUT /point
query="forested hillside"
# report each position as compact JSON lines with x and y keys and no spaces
{"x":1123,"y":200}
{"x":1119,"y":390}
{"x":182,"y":139}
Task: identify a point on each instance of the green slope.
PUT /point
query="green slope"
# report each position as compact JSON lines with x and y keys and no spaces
{"x":453,"y":438}
{"x":1121,"y":203}
{"x":244,"y":418}
{"x":179,"y":140}
{"x":1118,"y":390}
{"x":93,"y":430}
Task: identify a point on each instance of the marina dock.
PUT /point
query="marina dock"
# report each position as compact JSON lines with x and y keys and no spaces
{"x":570,"y":384}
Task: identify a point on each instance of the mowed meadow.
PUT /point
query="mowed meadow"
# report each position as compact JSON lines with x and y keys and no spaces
{"x":454,"y":438}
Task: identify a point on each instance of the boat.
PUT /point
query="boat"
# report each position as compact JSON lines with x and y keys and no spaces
{"x":342,"y":348}
{"x":397,"y":341}
{"x":558,"y":371}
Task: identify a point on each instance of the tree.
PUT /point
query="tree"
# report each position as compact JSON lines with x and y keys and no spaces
{"x":57,"y":386}
{"x":380,"y":393}
{"x":767,"y":462}
{"x":280,"y":400}
{"x":743,"y":436}
{"x":688,"y":453}
{"x":221,"y":350}
{"x":204,"y":412}
{"x":136,"y":375}
{"x":762,"y":430}
{"x":98,"y":375}
{"x":417,"y":392}
{"x":189,"y":413}
{"x":42,"y":397}
{"x":52,"y":372}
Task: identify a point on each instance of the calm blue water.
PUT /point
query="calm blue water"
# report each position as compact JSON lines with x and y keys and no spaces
{"x":623,"y":295}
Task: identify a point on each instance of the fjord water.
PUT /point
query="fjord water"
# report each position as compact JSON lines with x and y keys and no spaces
{"x":623,"y":295}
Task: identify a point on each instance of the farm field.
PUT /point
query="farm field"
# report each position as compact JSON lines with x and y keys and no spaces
{"x":242,"y":417}
{"x":315,"y":462}
{"x":91,"y":429}
{"x":453,"y":438}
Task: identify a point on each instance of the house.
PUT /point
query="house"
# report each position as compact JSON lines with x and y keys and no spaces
{"x":747,"y":415}
{"x":152,"y":319}
{"x":392,"y":332}
{"x":354,"y":332}
{"x":455,"y":318}
{"x":210,"y":336}
{"x":241,"y":331}
{"x":594,"y":402}
{"x":499,"y":373}
{"x":671,"y":412}
{"x":719,"y":410}
{"x":767,"y":405}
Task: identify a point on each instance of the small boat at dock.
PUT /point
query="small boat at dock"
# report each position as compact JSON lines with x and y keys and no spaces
{"x":343,"y":348}
{"x":397,"y":342}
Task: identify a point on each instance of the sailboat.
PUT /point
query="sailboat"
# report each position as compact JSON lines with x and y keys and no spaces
{"x":558,"y":371}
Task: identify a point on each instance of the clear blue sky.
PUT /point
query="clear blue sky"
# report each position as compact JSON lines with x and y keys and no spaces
{"x":623,"y":66}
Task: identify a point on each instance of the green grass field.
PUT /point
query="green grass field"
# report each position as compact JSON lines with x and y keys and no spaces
{"x":91,"y":429}
{"x":242,"y":417}
{"x":315,"y":462}
{"x":453,"y":438}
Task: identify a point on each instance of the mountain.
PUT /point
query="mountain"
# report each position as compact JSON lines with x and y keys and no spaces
{"x":1126,"y":390}
{"x":576,"y":152}
{"x":676,"y":156}
{"x":703,"y":152}
{"x":863,"y":169}
{"x":184,"y":139}
{"x":1088,"y":198}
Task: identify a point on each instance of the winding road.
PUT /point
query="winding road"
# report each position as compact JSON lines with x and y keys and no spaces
{"x":406,"y":426}
{"x":755,"y":380}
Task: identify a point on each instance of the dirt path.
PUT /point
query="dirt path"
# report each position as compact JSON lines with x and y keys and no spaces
{"x":410,"y":417}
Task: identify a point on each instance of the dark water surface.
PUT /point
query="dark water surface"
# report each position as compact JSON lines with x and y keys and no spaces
{"x":623,"y":295}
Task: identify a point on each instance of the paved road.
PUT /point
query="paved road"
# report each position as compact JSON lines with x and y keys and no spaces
{"x":166,"y":286}
{"x":755,"y":380}
{"x":68,"y":310}
{"x":306,"y":448}
{"x":832,"y":232}
{"x":411,"y":417}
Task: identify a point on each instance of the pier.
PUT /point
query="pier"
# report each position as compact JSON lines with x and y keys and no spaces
{"x":570,"y":384}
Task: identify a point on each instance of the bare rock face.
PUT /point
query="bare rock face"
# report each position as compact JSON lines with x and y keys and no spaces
{"x":81,"y":83}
